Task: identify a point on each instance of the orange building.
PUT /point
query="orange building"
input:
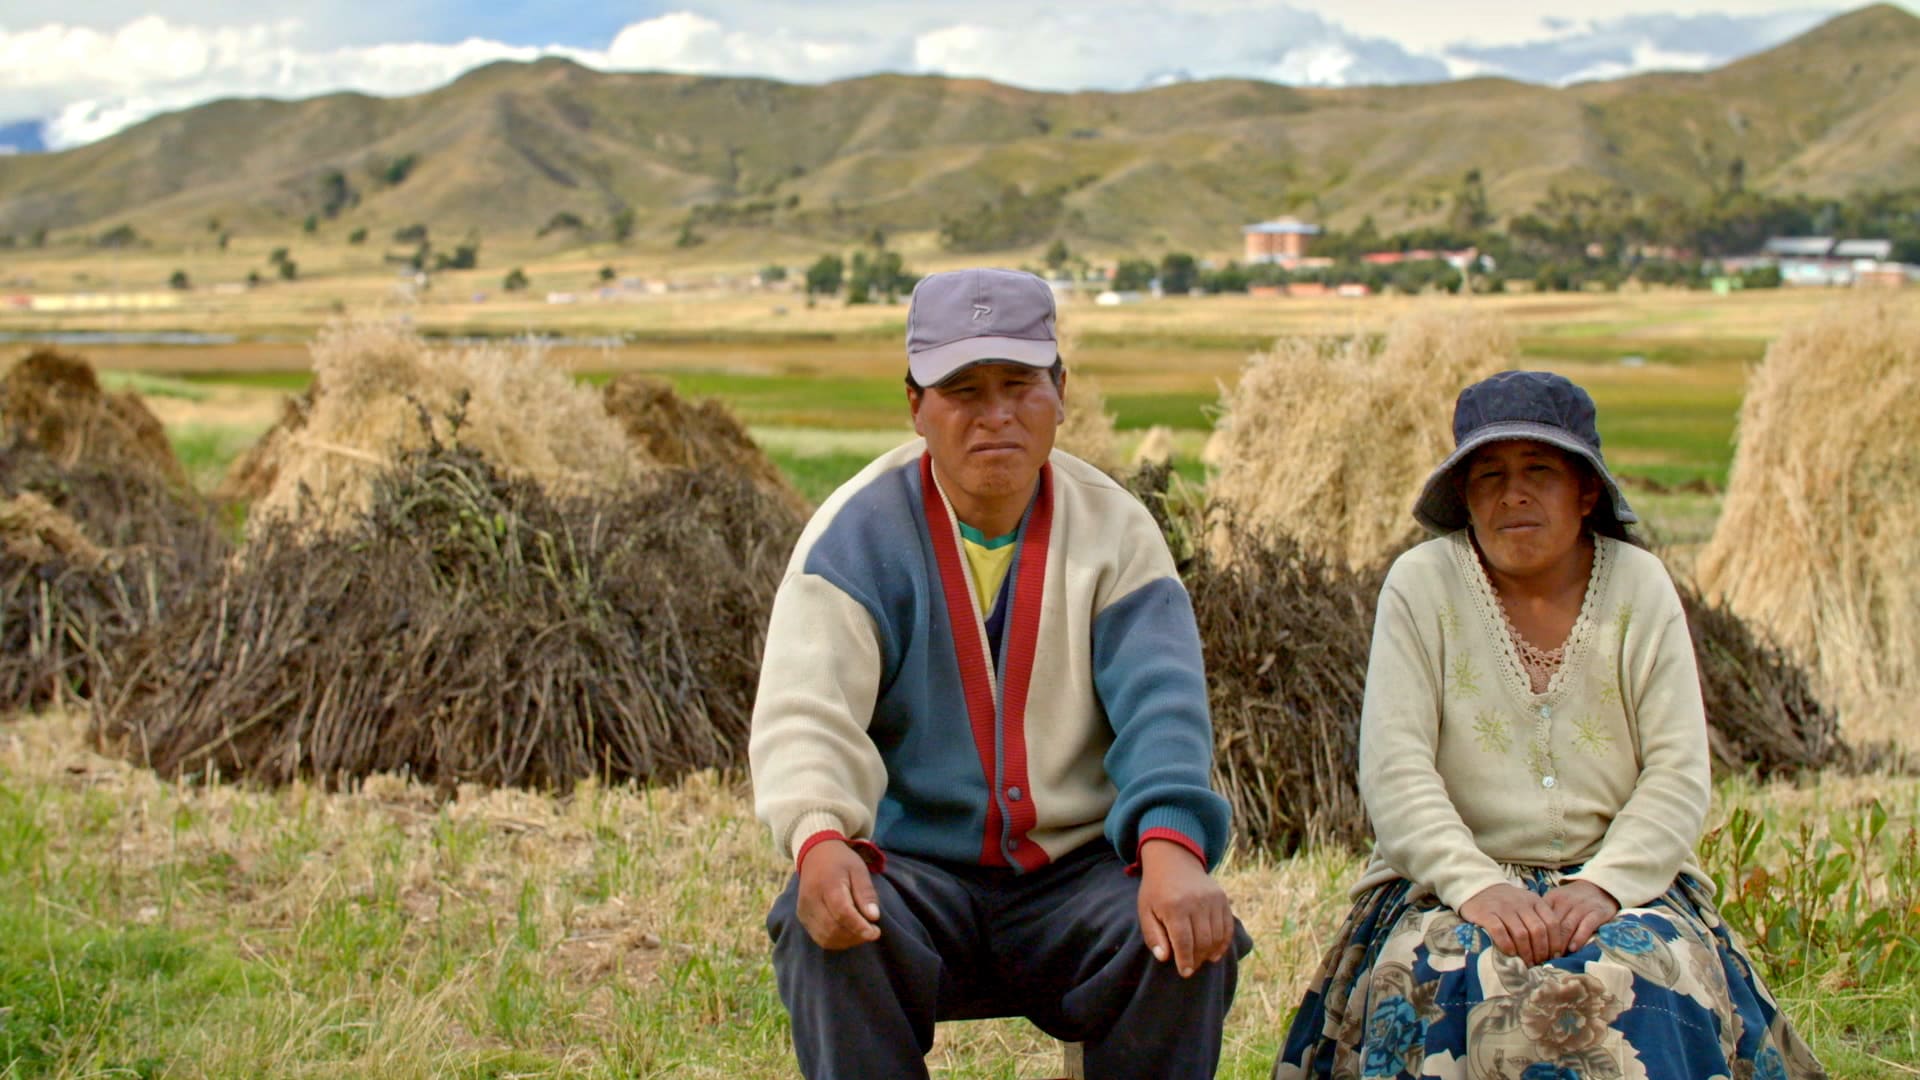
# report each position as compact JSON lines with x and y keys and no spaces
{"x":1282,"y":240}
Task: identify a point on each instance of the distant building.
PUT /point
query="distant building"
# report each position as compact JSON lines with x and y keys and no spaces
{"x":1827,"y":261}
{"x":1282,"y":240}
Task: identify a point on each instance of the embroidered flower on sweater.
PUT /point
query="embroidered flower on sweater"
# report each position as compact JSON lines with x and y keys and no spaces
{"x":1492,"y":732}
{"x":1464,"y":679}
{"x":1590,"y":736}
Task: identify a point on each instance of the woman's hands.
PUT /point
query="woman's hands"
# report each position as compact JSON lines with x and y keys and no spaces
{"x":1537,"y":929}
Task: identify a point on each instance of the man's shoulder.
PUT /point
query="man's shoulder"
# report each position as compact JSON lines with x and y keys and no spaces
{"x":870,"y":517}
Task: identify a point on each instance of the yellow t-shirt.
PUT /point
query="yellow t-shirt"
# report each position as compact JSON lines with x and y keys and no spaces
{"x":989,"y":559}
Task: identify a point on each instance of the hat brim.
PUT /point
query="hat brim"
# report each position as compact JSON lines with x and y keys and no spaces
{"x":1440,"y":508}
{"x":930,"y":367}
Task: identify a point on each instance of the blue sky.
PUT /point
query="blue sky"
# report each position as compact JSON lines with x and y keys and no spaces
{"x":72,"y":73}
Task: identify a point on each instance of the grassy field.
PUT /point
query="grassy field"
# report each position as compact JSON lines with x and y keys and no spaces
{"x":200,"y":929}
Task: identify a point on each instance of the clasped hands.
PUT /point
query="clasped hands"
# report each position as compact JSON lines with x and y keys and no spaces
{"x":1184,"y":914}
{"x":1535,"y":928}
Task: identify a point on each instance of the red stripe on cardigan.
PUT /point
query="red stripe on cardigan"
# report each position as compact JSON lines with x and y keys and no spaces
{"x":1024,"y":626}
{"x":964,"y":627}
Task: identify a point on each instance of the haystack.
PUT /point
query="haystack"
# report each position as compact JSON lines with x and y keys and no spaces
{"x":1155,"y":448}
{"x":373,"y":383}
{"x":99,"y":535}
{"x":53,"y":402}
{"x":693,"y":435}
{"x":1087,"y":433}
{"x":1326,"y":440}
{"x":1819,"y":537}
{"x":468,"y":624}
{"x":254,"y":473}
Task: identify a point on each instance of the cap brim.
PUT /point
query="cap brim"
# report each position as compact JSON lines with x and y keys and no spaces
{"x":1440,"y":508}
{"x":930,"y":367}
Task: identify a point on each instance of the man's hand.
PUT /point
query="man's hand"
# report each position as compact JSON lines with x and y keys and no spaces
{"x":837,"y":903}
{"x":1184,"y":913}
{"x":1520,"y":923}
{"x":1579,"y":908}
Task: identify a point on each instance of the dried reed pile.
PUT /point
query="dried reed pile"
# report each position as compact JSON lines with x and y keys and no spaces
{"x":697,"y":435}
{"x":1762,"y":713}
{"x":1285,"y":636}
{"x":1819,"y":539}
{"x":526,"y":415}
{"x":1328,"y":439}
{"x":99,"y":535}
{"x":467,"y":624}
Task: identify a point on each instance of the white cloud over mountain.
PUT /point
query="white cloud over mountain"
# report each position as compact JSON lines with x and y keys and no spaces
{"x":86,"y":82}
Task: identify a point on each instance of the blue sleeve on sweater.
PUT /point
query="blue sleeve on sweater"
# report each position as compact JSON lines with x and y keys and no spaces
{"x":1152,"y":683}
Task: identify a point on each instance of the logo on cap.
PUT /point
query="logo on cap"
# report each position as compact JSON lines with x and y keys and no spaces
{"x":980,"y":310}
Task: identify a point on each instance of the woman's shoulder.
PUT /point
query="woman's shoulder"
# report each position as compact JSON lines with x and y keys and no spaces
{"x":1430,"y":562}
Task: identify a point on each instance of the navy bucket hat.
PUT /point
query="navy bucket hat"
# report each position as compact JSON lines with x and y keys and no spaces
{"x":1538,"y":406}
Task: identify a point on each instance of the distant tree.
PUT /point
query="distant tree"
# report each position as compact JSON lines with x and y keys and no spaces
{"x":1231,"y":278}
{"x":397,"y":170}
{"x":563,"y":219}
{"x":1057,"y":255}
{"x":410,"y":234}
{"x":1761,"y":277}
{"x":179,"y":280}
{"x":1470,"y":213}
{"x":464,"y":257}
{"x":1178,"y":273}
{"x":358,"y":236}
{"x":515,"y":281}
{"x":688,"y":238}
{"x":39,"y":239}
{"x":120,"y":236}
{"x":213,"y":224}
{"x":277,"y":256}
{"x":254,"y":280}
{"x":824,"y":276}
{"x":608,"y":273}
{"x":335,"y":193}
{"x":1132,"y":275}
{"x":772,"y":273}
{"x":289,"y":270}
{"x":622,"y":224}
{"x":311,"y":225}
{"x":881,"y":274}
{"x":224,"y":239}
{"x":877,"y":238}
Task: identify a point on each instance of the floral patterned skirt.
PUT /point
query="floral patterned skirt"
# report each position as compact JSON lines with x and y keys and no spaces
{"x":1661,"y":991}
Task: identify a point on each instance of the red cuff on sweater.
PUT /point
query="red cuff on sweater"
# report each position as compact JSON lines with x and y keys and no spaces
{"x":1174,"y":835}
{"x":869,"y":853}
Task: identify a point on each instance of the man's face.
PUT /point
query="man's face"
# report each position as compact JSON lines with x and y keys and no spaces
{"x":989,"y":428}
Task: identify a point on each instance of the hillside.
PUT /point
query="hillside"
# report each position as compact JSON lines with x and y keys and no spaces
{"x":509,"y":146}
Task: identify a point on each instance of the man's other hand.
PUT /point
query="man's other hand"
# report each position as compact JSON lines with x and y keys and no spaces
{"x":837,"y":903}
{"x":1184,"y":914}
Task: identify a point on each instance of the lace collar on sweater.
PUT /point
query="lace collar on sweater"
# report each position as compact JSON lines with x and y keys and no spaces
{"x":1578,"y":649}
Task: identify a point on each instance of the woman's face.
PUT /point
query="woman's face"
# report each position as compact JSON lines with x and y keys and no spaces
{"x":1528,"y":503}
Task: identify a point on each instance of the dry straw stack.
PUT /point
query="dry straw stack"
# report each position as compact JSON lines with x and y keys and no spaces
{"x":1326,"y":440}
{"x":372,"y":382}
{"x":513,"y":591}
{"x":98,"y":534}
{"x":1819,"y":540}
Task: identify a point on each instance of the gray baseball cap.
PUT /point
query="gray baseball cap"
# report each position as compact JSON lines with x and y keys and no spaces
{"x":964,"y":317}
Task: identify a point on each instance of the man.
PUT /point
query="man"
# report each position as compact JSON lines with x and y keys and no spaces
{"x":982,"y":734}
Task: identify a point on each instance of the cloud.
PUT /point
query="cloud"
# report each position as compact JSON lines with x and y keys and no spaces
{"x":84,"y":82}
{"x":1582,"y":50}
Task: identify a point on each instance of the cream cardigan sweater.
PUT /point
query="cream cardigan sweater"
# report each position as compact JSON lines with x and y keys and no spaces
{"x":1463,"y":768}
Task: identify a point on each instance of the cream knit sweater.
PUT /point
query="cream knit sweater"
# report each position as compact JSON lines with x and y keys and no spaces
{"x":1463,"y":768}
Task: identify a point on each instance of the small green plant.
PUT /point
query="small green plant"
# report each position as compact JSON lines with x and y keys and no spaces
{"x":1838,"y":898}
{"x":179,"y":280}
{"x":515,"y":280}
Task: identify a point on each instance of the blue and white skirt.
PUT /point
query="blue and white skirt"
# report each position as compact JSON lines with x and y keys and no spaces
{"x":1661,"y":991}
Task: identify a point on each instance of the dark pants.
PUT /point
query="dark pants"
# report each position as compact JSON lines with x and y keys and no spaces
{"x":1060,"y":946}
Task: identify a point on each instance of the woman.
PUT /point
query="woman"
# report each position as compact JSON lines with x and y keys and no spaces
{"x":1533,"y":754}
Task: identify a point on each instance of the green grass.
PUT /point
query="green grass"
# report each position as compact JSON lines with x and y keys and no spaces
{"x":200,"y":929}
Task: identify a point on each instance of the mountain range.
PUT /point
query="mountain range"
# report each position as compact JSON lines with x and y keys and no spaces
{"x":519,"y":148}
